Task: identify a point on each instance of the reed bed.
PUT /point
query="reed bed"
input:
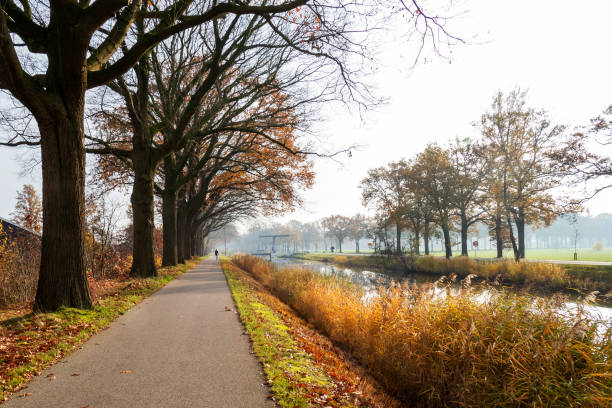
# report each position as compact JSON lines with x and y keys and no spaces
{"x":548,"y":275}
{"x":458,"y":349}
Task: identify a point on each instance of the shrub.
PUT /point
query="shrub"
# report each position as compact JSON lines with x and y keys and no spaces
{"x":457,"y":349}
{"x":598,"y":246}
{"x":19,"y":263}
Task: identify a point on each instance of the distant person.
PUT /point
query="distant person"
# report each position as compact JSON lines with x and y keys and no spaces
{"x":216,"y":255}
{"x":332,"y":249}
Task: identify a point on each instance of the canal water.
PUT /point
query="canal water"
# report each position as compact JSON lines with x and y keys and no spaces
{"x":371,"y":280}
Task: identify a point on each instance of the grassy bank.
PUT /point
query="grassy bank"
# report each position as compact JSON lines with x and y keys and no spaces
{"x":303,"y":368}
{"x":538,"y":276}
{"x":562,"y":254}
{"x":30,"y":342}
{"x":455,"y":350}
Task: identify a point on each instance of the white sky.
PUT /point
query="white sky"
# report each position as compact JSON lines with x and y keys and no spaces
{"x":559,"y":49}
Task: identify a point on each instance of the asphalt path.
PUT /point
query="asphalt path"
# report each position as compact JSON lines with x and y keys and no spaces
{"x":179,"y":348}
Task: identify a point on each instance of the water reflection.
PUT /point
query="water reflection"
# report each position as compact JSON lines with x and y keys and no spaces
{"x":370,"y":280}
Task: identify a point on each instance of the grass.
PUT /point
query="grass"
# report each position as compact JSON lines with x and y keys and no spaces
{"x":30,"y":342}
{"x":456,"y":350}
{"x":564,"y":254}
{"x":302,"y":369}
{"x":561,"y":254}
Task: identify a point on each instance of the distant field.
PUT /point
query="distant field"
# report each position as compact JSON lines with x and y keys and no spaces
{"x":584,"y":254}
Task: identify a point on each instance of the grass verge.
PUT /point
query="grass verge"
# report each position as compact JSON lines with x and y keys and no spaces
{"x":30,"y":342}
{"x":302,"y":367}
{"x":457,"y":349}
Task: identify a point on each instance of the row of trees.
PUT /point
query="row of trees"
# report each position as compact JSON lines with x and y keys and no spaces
{"x":194,"y":97}
{"x":318,"y":235}
{"x":507,"y":179}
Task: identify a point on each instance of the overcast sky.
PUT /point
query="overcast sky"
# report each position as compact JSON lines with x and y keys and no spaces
{"x":558,"y":49}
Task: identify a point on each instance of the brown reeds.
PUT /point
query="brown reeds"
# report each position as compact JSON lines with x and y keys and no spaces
{"x":545,"y":275}
{"x":458,"y":349}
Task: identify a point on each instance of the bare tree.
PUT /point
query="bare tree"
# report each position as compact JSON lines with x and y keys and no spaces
{"x":523,"y":140}
{"x":53,"y":52}
{"x":339,"y":227}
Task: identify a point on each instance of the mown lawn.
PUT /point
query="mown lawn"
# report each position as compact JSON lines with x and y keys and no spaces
{"x":584,"y":254}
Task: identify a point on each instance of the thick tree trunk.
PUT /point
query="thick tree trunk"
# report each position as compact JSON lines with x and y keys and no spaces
{"x":357,"y":245}
{"x":339,"y":245}
{"x":417,"y":242}
{"x":169,"y":217}
{"x":447,"y":241}
{"x":464,"y":234}
{"x":63,"y":275}
{"x":143,"y":262}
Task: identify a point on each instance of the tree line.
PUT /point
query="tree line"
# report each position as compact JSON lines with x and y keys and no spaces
{"x":509,"y":178}
{"x":200,"y":104}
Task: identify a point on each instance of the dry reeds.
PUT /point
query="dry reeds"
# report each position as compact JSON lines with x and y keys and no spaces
{"x":547,"y":275}
{"x":458,"y":349}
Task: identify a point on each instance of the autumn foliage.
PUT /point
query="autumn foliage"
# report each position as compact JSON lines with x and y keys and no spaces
{"x":455,"y":349}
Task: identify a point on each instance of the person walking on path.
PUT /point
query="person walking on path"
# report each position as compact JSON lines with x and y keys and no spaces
{"x":216,"y":254}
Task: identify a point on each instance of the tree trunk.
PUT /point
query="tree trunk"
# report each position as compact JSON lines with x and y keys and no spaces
{"x":464,"y":234}
{"x":180,"y":232}
{"x":499,"y":240}
{"x":520,"y":231}
{"x":447,"y":241}
{"x":398,"y":238}
{"x":417,"y":242}
{"x":339,"y":245}
{"x":357,"y":245}
{"x":512,"y":239}
{"x":187,"y":239}
{"x":63,"y":275}
{"x":143,"y":262}
{"x":169,"y":217}
{"x":426,"y":237}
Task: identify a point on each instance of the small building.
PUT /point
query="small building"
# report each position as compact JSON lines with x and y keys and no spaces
{"x":13,"y":230}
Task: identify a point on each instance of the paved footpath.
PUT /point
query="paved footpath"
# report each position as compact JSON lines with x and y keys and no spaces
{"x":179,"y":348}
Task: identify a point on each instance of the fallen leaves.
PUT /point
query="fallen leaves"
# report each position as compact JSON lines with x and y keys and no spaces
{"x":30,"y":342}
{"x":345,"y":384}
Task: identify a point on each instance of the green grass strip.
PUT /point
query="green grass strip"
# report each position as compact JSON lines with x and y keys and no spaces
{"x":290,"y":370}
